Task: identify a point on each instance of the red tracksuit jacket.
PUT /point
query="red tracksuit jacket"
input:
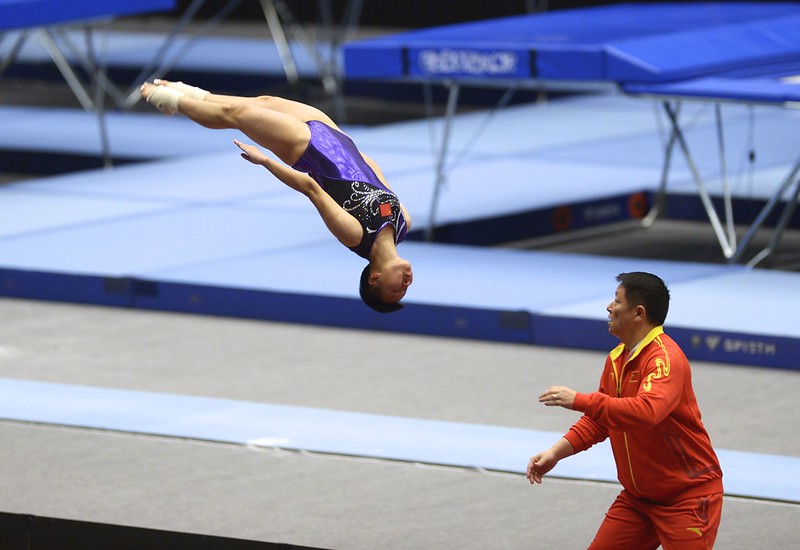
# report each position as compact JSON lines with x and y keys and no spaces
{"x":647,"y":406}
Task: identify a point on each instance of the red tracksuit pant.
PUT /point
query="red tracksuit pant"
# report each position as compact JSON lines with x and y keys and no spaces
{"x":636,"y":524}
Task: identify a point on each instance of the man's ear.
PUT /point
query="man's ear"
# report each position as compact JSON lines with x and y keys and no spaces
{"x":373,"y":277}
{"x":641,"y":312}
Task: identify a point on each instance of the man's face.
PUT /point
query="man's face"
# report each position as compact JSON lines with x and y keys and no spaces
{"x":621,"y":315}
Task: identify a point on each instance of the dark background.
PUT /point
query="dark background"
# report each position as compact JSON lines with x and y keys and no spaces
{"x":403,"y":13}
{"x":410,"y":13}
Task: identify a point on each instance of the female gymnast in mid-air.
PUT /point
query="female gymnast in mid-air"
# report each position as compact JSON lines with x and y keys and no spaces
{"x":321,"y":162}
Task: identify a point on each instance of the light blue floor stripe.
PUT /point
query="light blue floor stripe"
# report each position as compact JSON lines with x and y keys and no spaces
{"x":330,"y":431}
{"x":208,"y":53}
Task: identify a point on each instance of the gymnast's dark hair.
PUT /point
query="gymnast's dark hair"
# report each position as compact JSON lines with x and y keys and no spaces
{"x":370,"y":295}
{"x":648,"y":290}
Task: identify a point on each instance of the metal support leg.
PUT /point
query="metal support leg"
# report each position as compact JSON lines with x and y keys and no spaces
{"x":788,"y":210}
{"x":100,"y":72}
{"x":48,"y":41}
{"x":157,"y":67}
{"x":277,"y":13}
{"x":452,"y":102}
{"x":88,"y":61}
{"x":794,"y":174}
{"x":719,"y":231}
{"x":726,"y":192}
{"x":149,"y":69}
{"x":281,"y":41}
{"x":349,"y":22}
{"x":778,"y":234}
{"x":661,"y":196}
{"x":15,"y":49}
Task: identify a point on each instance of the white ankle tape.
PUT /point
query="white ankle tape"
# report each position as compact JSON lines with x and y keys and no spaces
{"x":165,"y":98}
{"x":192,"y":91}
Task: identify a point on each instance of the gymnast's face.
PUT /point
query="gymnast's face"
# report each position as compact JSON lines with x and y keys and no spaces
{"x":395,"y":278}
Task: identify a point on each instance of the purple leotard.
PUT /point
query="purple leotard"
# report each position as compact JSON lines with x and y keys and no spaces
{"x":334,"y":162}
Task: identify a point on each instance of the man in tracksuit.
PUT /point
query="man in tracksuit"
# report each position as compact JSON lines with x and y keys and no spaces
{"x":670,"y":474}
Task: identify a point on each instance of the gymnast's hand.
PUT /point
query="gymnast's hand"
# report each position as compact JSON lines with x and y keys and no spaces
{"x":298,"y":181}
{"x":252,"y":153}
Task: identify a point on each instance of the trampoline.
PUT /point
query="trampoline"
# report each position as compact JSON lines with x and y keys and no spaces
{"x":706,"y":51}
{"x":46,"y":19}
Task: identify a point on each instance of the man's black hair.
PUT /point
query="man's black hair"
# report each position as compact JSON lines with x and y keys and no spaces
{"x":648,"y":290}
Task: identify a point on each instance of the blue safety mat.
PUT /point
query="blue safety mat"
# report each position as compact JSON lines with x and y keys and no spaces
{"x":133,"y":137}
{"x":21,"y":14}
{"x":438,"y":442}
{"x":125,"y":51}
{"x":654,"y":42}
{"x":779,"y":88}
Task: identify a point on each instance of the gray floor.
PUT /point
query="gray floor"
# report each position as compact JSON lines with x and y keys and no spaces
{"x":334,"y":501}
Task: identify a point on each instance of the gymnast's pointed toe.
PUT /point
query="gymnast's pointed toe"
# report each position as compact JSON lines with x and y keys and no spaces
{"x":187,"y":89}
{"x":164,"y":98}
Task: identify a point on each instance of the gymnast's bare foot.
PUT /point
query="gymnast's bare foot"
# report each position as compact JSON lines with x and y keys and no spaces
{"x":192,"y":91}
{"x":163,"y":97}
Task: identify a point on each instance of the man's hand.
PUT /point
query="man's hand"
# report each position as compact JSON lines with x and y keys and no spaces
{"x":539,"y":465}
{"x":558,"y":396}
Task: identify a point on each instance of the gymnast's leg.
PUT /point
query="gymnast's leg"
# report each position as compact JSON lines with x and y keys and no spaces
{"x":281,"y":133}
{"x":296,"y":109}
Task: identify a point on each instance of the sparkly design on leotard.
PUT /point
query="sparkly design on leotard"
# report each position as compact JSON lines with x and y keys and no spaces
{"x":334,"y":162}
{"x":374,"y":208}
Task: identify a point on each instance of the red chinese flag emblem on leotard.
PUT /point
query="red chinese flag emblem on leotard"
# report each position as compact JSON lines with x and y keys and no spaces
{"x":386,"y":210}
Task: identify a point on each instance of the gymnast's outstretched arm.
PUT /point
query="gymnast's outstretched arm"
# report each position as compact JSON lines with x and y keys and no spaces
{"x":340,"y":223}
